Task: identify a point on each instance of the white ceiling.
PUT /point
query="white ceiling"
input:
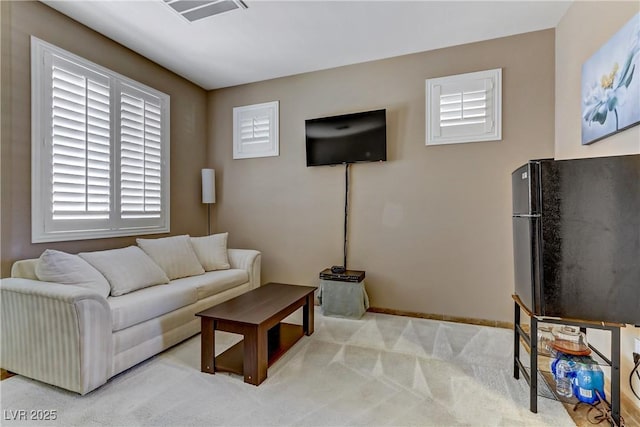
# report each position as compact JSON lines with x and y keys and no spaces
{"x":280,"y":38}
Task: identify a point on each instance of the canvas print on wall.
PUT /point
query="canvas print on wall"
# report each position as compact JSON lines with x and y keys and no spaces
{"x":611,"y":85}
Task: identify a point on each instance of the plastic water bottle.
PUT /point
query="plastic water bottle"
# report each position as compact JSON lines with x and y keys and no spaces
{"x":588,"y":385}
{"x":563,"y":378}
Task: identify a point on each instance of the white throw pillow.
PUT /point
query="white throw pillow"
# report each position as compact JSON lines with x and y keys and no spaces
{"x":174,"y":255}
{"x":127,"y":269}
{"x":61,"y":267}
{"x":212,"y":251}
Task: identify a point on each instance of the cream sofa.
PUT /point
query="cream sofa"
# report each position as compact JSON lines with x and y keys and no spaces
{"x":73,"y":337}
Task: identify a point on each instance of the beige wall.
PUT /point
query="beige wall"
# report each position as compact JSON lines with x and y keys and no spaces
{"x":188,"y":125}
{"x":432,"y":226}
{"x":582,"y":31}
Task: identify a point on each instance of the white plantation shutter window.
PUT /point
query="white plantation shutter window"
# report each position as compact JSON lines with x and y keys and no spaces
{"x":99,"y":151}
{"x":80,"y":151}
{"x":255,"y":130}
{"x":464,"y":108}
{"x":140,"y":155}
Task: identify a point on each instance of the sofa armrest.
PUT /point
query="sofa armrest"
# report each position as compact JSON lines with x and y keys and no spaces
{"x":247,"y":259}
{"x":58,"y":334}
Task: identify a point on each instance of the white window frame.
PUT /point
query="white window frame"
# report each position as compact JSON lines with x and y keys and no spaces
{"x":43,"y":227}
{"x":462,"y":132}
{"x":246,"y":150}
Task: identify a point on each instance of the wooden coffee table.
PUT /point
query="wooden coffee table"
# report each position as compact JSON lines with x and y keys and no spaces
{"x":257,"y":315}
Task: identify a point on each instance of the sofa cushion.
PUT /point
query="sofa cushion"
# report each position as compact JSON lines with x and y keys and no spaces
{"x":140,"y":306}
{"x":61,"y":267}
{"x":174,"y":255}
{"x":213,"y":282}
{"x":212,"y":251}
{"x":127,"y":269}
{"x":25,"y":269}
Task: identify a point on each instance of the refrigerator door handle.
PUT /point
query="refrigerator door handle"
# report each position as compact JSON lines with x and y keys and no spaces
{"x":527,"y":215}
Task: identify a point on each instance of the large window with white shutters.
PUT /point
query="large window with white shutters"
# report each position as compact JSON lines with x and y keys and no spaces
{"x":100,"y":150}
{"x":464,"y":108}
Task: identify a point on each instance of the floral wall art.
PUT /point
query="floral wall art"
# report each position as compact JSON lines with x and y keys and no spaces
{"x":611,"y":85}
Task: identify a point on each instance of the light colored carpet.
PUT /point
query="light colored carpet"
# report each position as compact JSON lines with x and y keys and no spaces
{"x":379,"y":370}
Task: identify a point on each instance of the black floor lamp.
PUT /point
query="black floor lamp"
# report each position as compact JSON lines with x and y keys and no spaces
{"x":208,"y":193}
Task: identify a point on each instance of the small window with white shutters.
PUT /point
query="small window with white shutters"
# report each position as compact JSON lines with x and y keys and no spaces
{"x":255,"y":130}
{"x":100,"y":151}
{"x":464,"y":108}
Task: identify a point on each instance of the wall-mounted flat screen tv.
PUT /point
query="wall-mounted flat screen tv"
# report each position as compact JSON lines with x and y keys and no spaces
{"x":350,"y":138}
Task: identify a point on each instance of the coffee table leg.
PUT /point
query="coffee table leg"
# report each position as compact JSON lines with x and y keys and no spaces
{"x":307,"y":315}
{"x":256,"y":357}
{"x":207,"y":344}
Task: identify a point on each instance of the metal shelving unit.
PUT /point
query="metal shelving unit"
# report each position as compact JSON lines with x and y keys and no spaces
{"x":530,"y":338}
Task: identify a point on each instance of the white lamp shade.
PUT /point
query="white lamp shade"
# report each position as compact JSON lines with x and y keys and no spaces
{"x":208,"y":186}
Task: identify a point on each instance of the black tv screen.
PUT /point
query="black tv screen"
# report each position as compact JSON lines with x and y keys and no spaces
{"x":350,"y":138}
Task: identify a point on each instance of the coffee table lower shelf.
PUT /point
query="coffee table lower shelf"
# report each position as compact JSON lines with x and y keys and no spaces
{"x":281,"y":338}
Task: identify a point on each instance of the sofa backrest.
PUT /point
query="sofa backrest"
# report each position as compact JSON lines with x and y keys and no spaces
{"x":25,"y":269}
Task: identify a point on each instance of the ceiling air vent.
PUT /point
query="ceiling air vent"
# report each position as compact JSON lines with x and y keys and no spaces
{"x":194,"y":10}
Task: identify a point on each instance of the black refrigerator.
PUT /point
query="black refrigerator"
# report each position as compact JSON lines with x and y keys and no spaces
{"x":576,"y":238}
